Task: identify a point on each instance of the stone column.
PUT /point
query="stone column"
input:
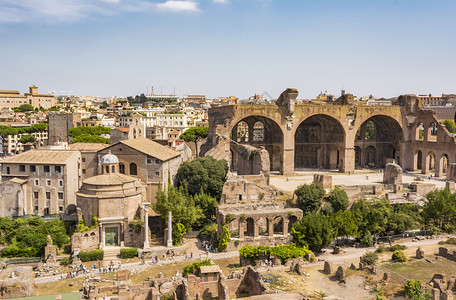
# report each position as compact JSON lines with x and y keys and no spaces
{"x":270,"y":227}
{"x":122,"y":235}
{"x":169,"y":242}
{"x":146,"y":225}
{"x":101,"y":236}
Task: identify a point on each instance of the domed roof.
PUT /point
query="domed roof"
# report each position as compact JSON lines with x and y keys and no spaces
{"x":109,"y":159}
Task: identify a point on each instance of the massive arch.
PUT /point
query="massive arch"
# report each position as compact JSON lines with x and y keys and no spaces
{"x":378,"y":139}
{"x":319,"y":140}
{"x":259,"y":131}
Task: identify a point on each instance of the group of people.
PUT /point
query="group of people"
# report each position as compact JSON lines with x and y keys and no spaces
{"x":207,"y":246}
{"x":82,"y":269}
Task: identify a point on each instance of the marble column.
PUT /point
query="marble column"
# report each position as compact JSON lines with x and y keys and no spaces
{"x":101,"y":236}
{"x":122,"y":235}
{"x":169,"y":242}
{"x":146,"y":225}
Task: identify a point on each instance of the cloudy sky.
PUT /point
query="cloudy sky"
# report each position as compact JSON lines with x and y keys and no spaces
{"x":229,"y":47}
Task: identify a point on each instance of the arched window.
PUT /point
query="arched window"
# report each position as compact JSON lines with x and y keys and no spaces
{"x":107,"y":169}
{"x":122,"y":168}
{"x":133,"y":169}
{"x":258,"y":132}
{"x":113,"y":169}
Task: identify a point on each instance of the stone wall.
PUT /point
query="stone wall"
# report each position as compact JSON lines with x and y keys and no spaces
{"x":85,"y":241}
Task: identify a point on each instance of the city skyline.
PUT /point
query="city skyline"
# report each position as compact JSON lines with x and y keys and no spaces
{"x":228,"y":47}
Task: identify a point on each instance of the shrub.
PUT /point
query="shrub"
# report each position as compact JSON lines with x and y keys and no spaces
{"x":381,"y":249}
{"x":414,"y":291}
{"x":367,"y":240}
{"x":451,"y":241}
{"x":397,"y":247}
{"x":14,"y":251}
{"x":370,"y":258}
{"x":128,"y":252}
{"x":224,"y":239}
{"x":91,"y":255}
{"x":195,"y":268}
{"x":66,"y":261}
{"x":399,"y":256}
{"x":284,"y":252}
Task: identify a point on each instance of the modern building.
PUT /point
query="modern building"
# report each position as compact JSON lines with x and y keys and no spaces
{"x":48,"y":180}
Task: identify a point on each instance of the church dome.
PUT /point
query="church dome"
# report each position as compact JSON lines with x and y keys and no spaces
{"x":109,"y":159}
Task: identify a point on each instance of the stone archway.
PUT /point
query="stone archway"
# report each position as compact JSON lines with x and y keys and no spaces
{"x":319,"y":140}
{"x":378,"y":138}
{"x":259,"y":131}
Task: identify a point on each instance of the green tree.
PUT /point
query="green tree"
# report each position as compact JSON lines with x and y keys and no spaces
{"x":440,"y":210}
{"x":193,"y":133}
{"x":309,"y":197}
{"x":27,"y":139}
{"x":25,"y":107}
{"x":207,"y":205}
{"x":399,"y":256}
{"x":372,"y":217}
{"x":224,"y":239}
{"x":204,"y":174}
{"x":450,"y":125}
{"x":182,"y":207}
{"x":338,"y":199}
{"x":314,"y":231}
{"x":87,"y":138}
{"x":344,"y":223}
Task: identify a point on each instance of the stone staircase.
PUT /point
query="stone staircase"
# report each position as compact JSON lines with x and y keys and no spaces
{"x":111,"y":254}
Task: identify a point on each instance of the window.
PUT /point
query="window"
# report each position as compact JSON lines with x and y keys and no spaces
{"x":157,"y":161}
{"x":47,"y":169}
{"x":83,"y":159}
{"x":36,"y":208}
{"x":149,"y":160}
{"x":107,"y":169}
{"x":60,"y":208}
{"x":113,"y":169}
{"x":122,"y":168}
{"x":37,"y":182}
{"x":21,"y":168}
{"x":133,"y":169}
{"x":32,"y":168}
{"x":58,"y":169}
{"x":60,"y":195}
{"x":157,"y":173}
{"x":35,"y":195}
{"x":83,"y":171}
{"x":48,"y":195}
{"x":7,"y":170}
{"x":48,"y":182}
{"x":60,"y":183}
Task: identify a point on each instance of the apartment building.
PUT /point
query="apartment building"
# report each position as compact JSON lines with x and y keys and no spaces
{"x":12,"y":99}
{"x":47,"y":179}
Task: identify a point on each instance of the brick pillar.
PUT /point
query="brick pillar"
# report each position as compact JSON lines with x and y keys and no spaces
{"x":425,"y":164}
{"x":256,"y":229}
{"x":285,"y":227}
{"x":270,"y":227}
{"x":348,"y":163}
{"x":241,"y":229}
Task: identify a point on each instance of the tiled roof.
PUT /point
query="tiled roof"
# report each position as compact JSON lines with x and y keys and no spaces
{"x":51,"y":157}
{"x":151,"y":148}
{"x":88,"y":146}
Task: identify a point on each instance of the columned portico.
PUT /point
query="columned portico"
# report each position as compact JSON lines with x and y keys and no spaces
{"x":111,"y":232}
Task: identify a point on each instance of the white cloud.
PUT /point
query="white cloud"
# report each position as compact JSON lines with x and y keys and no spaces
{"x":221,"y":1}
{"x":56,"y":11}
{"x":178,"y":6}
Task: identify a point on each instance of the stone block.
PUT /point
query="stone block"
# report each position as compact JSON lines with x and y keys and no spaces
{"x":451,"y":185}
{"x":328,"y":268}
{"x":422,"y":188}
{"x":398,"y":188}
{"x":377,"y":189}
{"x":435,"y":294}
{"x":50,"y":253}
{"x":392,"y":174}
{"x":324,"y":180}
{"x":446,"y":295}
{"x":419,"y":253}
{"x":340,"y":273}
{"x":443,"y":252}
{"x":123,"y":275}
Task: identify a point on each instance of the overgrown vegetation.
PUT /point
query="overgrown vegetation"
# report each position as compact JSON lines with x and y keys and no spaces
{"x":414,"y":290}
{"x":224,"y":239}
{"x":370,"y":258}
{"x":399,"y":256}
{"x":27,"y":237}
{"x":195,"y":268}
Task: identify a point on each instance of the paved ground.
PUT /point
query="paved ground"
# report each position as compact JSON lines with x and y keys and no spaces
{"x":361,"y":177}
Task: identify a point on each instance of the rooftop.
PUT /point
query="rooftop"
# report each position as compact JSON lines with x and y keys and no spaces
{"x":151,"y":148}
{"x":88,"y":146}
{"x":109,"y":179}
{"x":210,"y":269}
{"x":50,"y":157}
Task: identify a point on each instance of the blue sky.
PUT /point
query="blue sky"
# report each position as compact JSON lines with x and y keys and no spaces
{"x":232,"y":47}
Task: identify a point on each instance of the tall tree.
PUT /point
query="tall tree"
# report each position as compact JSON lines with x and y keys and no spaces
{"x":309,"y":197}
